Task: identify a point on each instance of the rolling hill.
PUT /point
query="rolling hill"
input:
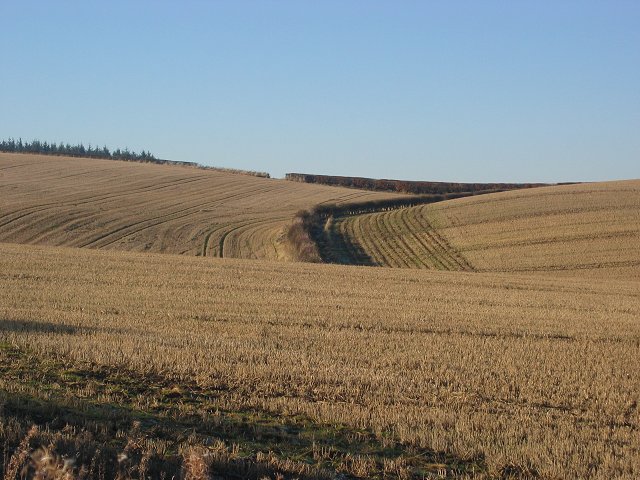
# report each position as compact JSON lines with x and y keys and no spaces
{"x":518,"y":361}
{"x":591,"y":229}
{"x":335,"y":370}
{"x":49,"y":200}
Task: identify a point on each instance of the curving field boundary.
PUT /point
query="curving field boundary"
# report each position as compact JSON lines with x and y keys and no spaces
{"x":375,"y":233}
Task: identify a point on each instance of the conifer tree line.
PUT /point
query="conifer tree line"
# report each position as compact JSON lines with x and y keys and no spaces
{"x":79,"y":150}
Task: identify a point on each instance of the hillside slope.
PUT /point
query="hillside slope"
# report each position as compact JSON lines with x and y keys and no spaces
{"x":588,"y":228}
{"x":143,"y":207}
{"x":437,"y":371}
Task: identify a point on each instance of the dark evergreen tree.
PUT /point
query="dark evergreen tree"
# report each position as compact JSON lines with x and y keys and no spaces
{"x":79,"y":150}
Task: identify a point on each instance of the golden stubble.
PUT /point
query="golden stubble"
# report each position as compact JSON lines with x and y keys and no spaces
{"x":586,"y":229}
{"x":117,"y":205}
{"x":523,"y":369}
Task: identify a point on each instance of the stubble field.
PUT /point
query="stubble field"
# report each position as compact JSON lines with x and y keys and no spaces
{"x":585,"y":229}
{"x":119,"y":362}
{"x":130,"y":206}
{"x":396,"y":373}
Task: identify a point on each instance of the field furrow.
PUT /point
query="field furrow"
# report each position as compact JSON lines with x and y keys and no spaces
{"x":401,"y":238}
{"x":430,"y":253}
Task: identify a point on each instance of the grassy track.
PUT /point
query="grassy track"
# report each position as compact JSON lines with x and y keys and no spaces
{"x":158,"y":208}
{"x":413,"y":372}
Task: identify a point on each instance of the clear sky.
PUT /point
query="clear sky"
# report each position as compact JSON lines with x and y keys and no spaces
{"x":447,"y":90}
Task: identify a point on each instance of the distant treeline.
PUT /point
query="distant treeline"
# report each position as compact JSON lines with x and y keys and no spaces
{"x":46,"y":148}
{"x":79,"y":150}
{"x":405,"y":186}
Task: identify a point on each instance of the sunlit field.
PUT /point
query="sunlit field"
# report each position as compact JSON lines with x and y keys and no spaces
{"x":117,"y":205}
{"x":311,"y":369}
{"x":587,"y":229}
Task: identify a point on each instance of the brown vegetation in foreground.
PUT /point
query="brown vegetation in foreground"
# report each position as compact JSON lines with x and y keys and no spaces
{"x":118,"y":205}
{"x":389,"y":373}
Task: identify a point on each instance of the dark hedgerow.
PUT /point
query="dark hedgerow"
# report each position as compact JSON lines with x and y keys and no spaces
{"x":405,"y":186}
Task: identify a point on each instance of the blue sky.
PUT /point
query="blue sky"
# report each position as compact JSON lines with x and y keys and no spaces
{"x":459,"y":91}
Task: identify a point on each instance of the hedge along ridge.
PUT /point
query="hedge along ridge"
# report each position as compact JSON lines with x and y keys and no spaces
{"x":405,"y":186}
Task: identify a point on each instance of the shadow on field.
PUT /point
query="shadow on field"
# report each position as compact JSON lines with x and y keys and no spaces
{"x":115,"y":447}
{"x":124,"y":406}
{"x":36,"y":326}
{"x":334,"y":247}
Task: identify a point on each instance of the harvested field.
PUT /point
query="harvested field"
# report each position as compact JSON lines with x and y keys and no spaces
{"x":372,"y":372}
{"x":520,"y":363}
{"x":118,"y":205}
{"x":402,"y":238}
{"x":591,"y":229}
